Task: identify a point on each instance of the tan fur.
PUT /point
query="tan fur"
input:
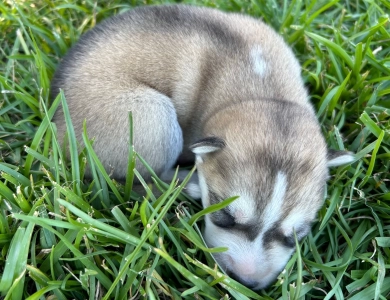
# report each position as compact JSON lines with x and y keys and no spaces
{"x":224,"y":86}
{"x":133,"y":53}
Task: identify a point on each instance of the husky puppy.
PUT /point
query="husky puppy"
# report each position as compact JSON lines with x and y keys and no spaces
{"x":223,"y":90}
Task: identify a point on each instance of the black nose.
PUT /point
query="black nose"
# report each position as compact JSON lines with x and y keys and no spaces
{"x":248,"y":283}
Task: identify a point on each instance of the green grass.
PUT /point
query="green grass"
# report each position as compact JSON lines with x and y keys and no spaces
{"x":65,"y":238}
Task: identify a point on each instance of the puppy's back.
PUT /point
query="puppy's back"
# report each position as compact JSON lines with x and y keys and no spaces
{"x":202,"y":59}
{"x":187,"y":53}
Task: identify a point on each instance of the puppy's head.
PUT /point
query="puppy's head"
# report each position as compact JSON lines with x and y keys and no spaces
{"x":277,"y":163}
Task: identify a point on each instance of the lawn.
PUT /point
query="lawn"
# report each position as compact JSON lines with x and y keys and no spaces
{"x":63,"y":237}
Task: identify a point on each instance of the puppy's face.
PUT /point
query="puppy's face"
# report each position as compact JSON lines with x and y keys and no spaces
{"x":279,"y":193}
{"x":258,"y":227}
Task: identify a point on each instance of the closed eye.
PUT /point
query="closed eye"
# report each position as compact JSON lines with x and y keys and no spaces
{"x":276,"y":235}
{"x":225,"y":224}
{"x":223,"y":219}
{"x":289,"y":241}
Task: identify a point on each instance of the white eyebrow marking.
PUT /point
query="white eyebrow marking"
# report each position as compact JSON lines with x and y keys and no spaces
{"x":273,"y":210}
{"x":242,"y":209}
{"x":258,"y":62}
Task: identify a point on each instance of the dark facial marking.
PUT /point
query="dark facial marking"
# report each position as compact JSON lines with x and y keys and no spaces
{"x":223,"y":219}
{"x":275,"y":235}
{"x":213,"y":197}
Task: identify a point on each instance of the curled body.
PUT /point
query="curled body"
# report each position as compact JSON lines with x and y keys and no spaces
{"x":223,"y":91}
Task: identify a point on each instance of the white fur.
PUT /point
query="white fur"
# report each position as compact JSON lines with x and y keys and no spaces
{"x":244,"y":256}
{"x":194,"y":187}
{"x":203,"y":189}
{"x":242,"y":209}
{"x":205,"y":149}
{"x":341,"y":160}
{"x":198,"y":159}
{"x":258,"y":62}
{"x":194,"y":190}
{"x":273,"y":210}
{"x":298,"y":220}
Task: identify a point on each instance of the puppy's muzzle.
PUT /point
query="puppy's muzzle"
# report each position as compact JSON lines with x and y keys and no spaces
{"x":252,"y":284}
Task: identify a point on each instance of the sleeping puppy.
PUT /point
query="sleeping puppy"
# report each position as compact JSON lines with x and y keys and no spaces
{"x":223,"y":90}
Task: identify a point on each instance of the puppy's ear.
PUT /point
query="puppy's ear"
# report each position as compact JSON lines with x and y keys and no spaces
{"x":338,"y":158}
{"x":207,"y":145}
